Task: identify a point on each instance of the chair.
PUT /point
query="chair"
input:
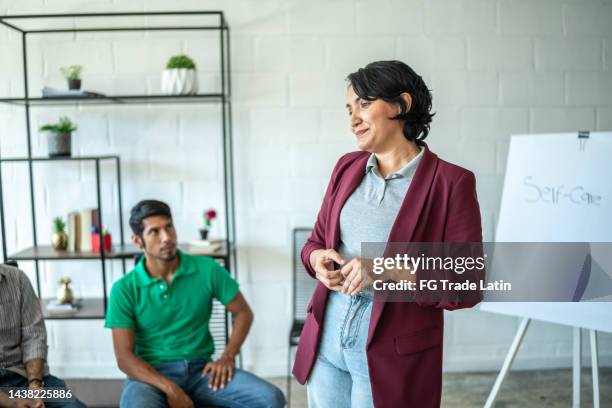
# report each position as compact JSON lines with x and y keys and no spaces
{"x":303,"y":287}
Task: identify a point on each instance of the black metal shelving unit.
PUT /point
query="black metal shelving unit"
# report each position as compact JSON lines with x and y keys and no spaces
{"x":28,"y":25}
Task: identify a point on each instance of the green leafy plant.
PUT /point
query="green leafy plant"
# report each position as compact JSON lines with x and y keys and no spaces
{"x":72,"y":72}
{"x":64,"y":125}
{"x":59,"y":224}
{"x":180,"y":61}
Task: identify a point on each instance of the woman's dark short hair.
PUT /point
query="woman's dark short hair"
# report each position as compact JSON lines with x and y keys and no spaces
{"x":145,"y":209}
{"x":387,"y":80}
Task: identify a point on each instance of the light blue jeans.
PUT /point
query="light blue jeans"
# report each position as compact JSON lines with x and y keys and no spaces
{"x":340,"y":377}
{"x":244,"y":391}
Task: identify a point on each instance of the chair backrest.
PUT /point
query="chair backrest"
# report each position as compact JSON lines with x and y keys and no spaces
{"x":303,"y":284}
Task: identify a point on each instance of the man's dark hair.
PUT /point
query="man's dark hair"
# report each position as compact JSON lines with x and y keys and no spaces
{"x":145,"y":209}
{"x":387,"y":80}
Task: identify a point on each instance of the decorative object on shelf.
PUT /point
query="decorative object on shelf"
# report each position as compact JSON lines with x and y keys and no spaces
{"x":74,"y":231}
{"x":60,"y":134}
{"x":48,"y":92}
{"x":204,"y":247}
{"x":58,"y":310}
{"x":64,"y":293}
{"x":180,"y":76}
{"x":73,"y":75}
{"x":59,"y":239}
{"x":107,"y":239}
{"x":90,"y":220}
{"x":209,"y":215}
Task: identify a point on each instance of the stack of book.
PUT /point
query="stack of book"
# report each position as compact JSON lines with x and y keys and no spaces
{"x":204,"y":247}
{"x":80,"y":224}
{"x":56,"y":309}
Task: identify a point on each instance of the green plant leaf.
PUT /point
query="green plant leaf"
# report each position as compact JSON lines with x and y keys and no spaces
{"x":59,"y":224}
{"x":180,"y":61}
{"x":64,"y":125}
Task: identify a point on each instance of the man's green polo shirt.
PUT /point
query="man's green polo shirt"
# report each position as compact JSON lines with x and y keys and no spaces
{"x":170,"y":322}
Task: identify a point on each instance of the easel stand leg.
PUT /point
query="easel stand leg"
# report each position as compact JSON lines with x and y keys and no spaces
{"x":516,"y":343}
{"x":594,"y":367}
{"x":576,"y":367}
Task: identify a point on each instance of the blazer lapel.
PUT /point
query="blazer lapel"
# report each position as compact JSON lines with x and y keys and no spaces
{"x":407,"y":218}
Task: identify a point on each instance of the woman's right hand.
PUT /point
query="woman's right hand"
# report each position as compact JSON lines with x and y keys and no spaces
{"x":322,"y":261}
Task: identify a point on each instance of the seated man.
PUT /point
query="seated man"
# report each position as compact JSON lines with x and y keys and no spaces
{"x":23,"y":342}
{"x":159,"y":315}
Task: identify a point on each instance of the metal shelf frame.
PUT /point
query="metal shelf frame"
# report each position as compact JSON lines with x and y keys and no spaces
{"x":149,"y":21}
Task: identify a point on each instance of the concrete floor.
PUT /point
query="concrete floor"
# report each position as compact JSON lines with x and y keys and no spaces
{"x":524,"y":389}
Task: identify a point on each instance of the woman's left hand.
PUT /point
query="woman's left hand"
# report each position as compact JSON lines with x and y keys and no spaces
{"x":355,"y":276}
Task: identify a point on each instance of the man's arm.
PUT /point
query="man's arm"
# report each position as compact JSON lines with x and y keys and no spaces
{"x":242,"y":317}
{"x":35,"y":370}
{"x":222,"y":370}
{"x":138,"y":369}
{"x":33,"y":334}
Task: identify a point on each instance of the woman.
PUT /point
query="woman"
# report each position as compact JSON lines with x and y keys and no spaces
{"x":356,"y":351}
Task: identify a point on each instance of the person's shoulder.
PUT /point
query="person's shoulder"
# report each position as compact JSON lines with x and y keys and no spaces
{"x":11,"y":271}
{"x":14,"y":274}
{"x":126,"y":283}
{"x":351,"y":157}
{"x":346,"y":161}
{"x":452,"y":172}
{"x":202,"y":264}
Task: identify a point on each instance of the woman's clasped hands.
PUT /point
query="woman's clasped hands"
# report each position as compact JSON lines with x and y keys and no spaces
{"x":351,"y":277}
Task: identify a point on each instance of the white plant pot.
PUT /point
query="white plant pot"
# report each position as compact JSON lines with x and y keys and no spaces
{"x":179,"y":81}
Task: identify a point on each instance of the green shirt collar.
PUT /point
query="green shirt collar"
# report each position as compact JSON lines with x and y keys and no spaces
{"x":144,"y":279}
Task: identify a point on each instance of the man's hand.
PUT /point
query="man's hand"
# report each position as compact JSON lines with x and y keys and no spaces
{"x":25,"y":403}
{"x":177,"y":398}
{"x":324,"y":268}
{"x":221,"y":372}
{"x":36,"y":403}
{"x":356,"y":275}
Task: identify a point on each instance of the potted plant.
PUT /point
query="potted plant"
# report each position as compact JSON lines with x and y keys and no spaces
{"x":209,"y":215}
{"x":60,"y":134}
{"x":59,"y":239}
{"x":73,"y":75}
{"x":180,"y":77}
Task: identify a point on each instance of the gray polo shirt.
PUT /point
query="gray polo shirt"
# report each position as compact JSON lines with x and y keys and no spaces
{"x":22,"y":329}
{"x":369,"y":213}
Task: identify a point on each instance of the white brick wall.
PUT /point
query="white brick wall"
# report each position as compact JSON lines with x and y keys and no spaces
{"x":495,"y":67}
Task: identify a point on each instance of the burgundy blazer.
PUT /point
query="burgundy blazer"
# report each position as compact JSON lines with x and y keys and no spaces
{"x":404,"y":345}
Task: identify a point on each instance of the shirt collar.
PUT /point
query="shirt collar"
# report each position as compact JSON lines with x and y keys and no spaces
{"x":144,"y":279}
{"x":406,"y":171}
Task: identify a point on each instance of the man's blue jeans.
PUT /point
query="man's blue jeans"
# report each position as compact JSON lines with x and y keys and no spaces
{"x":340,"y":377}
{"x":244,"y":391}
{"x":11,"y":379}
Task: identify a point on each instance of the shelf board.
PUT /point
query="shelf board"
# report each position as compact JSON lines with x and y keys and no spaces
{"x":90,"y":308}
{"x":116,"y":99}
{"x":63,"y":158}
{"x":126,"y":21}
{"x":127,"y":251}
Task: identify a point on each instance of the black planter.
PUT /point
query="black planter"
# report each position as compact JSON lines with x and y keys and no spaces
{"x":204,"y":234}
{"x":74,"y":84}
{"x":59,"y":144}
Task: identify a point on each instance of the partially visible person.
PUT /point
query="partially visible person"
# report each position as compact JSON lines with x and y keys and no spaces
{"x":23,"y":342}
{"x":159,"y":314}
